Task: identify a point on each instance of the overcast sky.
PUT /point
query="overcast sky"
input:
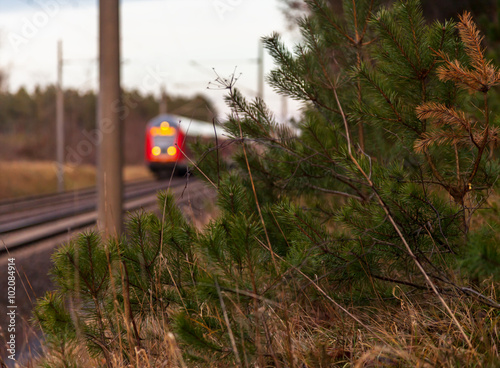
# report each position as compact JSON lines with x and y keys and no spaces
{"x":175,"y":43}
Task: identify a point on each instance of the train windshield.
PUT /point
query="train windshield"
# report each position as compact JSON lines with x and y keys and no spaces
{"x":164,"y":142}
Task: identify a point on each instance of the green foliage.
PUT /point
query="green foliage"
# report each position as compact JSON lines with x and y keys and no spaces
{"x":374,"y":91}
{"x":370,"y":195}
{"x":86,"y":260}
{"x":481,"y":259}
{"x":53,"y":317}
{"x":114,"y":286}
{"x":55,"y":321}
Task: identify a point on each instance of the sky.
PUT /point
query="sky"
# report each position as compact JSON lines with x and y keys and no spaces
{"x":172,"y":43}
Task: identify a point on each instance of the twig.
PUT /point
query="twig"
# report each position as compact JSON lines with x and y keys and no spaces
{"x":196,"y":166}
{"x":478,"y":295}
{"x":324,"y":190}
{"x":229,"y":330}
{"x":217,"y":152}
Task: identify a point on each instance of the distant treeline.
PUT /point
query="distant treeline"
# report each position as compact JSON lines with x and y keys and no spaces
{"x":28,"y":121}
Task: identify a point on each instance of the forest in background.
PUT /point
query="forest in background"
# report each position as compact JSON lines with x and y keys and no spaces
{"x":28,"y":121}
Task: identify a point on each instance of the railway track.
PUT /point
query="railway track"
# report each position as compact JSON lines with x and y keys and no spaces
{"x":33,"y":219}
{"x":59,"y":218}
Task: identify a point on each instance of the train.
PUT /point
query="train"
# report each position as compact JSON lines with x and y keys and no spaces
{"x":167,"y":142}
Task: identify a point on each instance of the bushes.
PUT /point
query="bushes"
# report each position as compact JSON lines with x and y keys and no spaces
{"x":368,"y":206}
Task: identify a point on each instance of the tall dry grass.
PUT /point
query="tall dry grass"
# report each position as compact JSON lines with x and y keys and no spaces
{"x":407,"y":334}
{"x":25,"y":178}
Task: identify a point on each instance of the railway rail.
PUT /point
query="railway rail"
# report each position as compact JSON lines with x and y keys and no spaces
{"x":32,"y":219}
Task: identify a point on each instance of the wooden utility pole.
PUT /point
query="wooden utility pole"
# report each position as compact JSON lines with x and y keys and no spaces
{"x":163,"y":105}
{"x":60,"y":120}
{"x":260,"y":76}
{"x":109,"y":181}
{"x":284,"y":109}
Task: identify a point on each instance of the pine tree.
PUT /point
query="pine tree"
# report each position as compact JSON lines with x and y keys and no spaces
{"x":374,"y":187}
{"x":422,"y":130}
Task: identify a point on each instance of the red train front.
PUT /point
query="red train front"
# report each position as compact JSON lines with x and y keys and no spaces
{"x":165,"y":145}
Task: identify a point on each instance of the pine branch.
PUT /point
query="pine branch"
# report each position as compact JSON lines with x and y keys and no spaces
{"x":472,"y":40}
{"x":320,"y":9}
{"x":453,"y":71}
{"x":392,"y":33}
{"x":483,"y":75}
{"x":440,"y":137}
{"x":441,"y":115}
{"x":366,"y":21}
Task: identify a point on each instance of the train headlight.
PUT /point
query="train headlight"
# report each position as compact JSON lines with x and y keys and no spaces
{"x":156,"y":151}
{"x":166,"y":129}
{"x":172,"y":150}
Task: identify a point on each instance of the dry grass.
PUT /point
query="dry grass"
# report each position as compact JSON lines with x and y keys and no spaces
{"x":161,"y":350}
{"x":410,"y":330}
{"x":24,"y":178}
{"x":413,"y":335}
